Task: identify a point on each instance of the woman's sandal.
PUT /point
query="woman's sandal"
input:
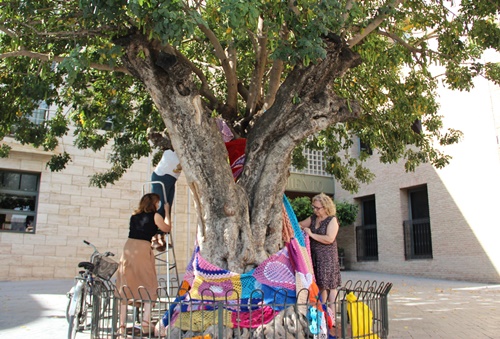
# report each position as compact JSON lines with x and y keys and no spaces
{"x":122,"y":331}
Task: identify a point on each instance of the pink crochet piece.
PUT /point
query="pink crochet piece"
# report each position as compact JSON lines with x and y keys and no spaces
{"x":227,"y":135}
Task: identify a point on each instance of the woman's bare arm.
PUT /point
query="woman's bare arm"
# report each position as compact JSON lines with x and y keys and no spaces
{"x":160,"y":222}
{"x":305,"y":223}
{"x":331,"y":233}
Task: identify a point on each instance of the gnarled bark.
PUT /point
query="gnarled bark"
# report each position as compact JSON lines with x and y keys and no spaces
{"x":240,"y":223}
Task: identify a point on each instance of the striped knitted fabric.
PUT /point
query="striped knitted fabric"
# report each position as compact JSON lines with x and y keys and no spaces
{"x":258,"y":295}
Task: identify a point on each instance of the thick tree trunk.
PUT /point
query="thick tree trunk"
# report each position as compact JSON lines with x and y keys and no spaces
{"x":240,"y":223}
{"x":304,"y":105}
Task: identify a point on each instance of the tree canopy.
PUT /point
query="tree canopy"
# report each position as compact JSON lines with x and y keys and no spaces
{"x":283,"y":74}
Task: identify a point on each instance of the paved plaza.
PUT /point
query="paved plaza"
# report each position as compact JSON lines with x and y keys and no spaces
{"x":418,"y":308}
{"x":432,"y":308}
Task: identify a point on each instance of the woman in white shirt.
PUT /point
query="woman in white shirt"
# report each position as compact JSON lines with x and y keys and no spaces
{"x":167,"y":172}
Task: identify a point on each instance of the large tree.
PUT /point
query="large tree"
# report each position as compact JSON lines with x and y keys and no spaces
{"x":277,"y":71}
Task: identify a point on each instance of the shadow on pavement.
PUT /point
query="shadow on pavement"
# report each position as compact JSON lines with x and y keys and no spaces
{"x":33,"y":307}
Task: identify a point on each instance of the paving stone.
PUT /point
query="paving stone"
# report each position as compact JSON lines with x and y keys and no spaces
{"x":418,"y":308}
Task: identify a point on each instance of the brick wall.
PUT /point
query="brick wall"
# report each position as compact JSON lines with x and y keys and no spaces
{"x":463,"y":199}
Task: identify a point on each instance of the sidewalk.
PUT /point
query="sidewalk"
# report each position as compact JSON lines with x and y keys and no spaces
{"x":34,"y":309}
{"x":432,"y":308}
{"x":418,"y":308}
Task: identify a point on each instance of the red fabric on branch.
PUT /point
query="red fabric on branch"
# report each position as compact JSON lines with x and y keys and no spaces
{"x":236,"y":151}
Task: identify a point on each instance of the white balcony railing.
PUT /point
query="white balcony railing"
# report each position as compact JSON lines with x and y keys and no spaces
{"x":315,"y":164}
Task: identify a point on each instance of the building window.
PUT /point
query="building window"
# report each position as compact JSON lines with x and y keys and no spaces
{"x":38,"y":117}
{"x":417,"y":230}
{"x":108,"y":123}
{"x":365,"y":147}
{"x":41,"y":114}
{"x":366,"y":234}
{"x":315,"y":164}
{"x":18,"y":200}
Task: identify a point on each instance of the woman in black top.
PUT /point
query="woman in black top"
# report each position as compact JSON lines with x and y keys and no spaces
{"x":136,"y":279}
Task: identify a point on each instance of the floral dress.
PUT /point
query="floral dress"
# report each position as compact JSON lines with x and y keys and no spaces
{"x":325,"y":258}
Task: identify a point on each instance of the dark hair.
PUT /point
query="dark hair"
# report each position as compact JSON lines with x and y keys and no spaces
{"x":147,"y":203}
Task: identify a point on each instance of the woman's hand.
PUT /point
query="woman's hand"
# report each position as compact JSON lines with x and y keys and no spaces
{"x":307,"y":231}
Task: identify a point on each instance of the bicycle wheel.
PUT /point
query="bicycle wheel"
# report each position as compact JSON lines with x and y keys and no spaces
{"x":70,"y":296}
{"x":74,"y":319}
{"x":86,"y":307}
{"x":100,"y":302}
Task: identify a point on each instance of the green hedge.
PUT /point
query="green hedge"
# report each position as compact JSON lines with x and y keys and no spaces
{"x":346,"y":212}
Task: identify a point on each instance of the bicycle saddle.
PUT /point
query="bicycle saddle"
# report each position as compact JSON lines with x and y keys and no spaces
{"x":87,"y":265}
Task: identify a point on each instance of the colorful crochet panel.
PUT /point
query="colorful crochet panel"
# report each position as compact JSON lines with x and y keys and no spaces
{"x":236,"y":152}
{"x":284,"y":279}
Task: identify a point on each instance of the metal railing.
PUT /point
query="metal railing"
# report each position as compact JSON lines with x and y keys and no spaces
{"x":360,"y":308}
{"x":418,"y":240}
{"x":366,"y":242}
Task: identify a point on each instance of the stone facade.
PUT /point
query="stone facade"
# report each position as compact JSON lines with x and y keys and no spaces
{"x":463,"y":203}
{"x":463,"y":199}
{"x":70,"y":211}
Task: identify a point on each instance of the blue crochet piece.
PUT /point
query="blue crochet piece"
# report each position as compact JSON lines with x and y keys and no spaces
{"x":297,"y":231}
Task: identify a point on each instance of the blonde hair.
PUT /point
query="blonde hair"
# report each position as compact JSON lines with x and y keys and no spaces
{"x":327,"y":203}
{"x":147,"y":203}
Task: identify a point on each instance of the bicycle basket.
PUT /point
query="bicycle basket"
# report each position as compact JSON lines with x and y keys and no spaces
{"x":105,"y":267}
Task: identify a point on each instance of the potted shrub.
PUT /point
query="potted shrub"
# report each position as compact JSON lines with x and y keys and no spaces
{"x":346,"y":213}
{"x":341,"y":258}
{"x":302,"y":207}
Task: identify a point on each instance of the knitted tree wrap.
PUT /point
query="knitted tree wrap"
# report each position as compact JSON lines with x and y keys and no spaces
{"x":254,"y":298}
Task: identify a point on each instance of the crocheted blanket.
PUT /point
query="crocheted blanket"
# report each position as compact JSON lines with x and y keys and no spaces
{"x":236,"y":153}
{"x":251,"y":299}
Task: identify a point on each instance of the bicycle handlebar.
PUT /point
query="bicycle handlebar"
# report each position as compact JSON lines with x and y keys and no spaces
{"x":96,"y":252}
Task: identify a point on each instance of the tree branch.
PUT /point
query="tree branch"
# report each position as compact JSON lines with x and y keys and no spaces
{"x":205,"y":88}
{"x":229,"y":69}
{"x":345,"y":16}
{"x":260,"y":49}
{"x":274,"y":83}
{"x":47,"y":57}
{"x":275,"y":74}
{"x":71,"y":34}
{"x":377,"y":21}
{"x":284,"y":125}
{"x":293,"y":7}
{"x":7,"y":31}
{"x":395,"y":37}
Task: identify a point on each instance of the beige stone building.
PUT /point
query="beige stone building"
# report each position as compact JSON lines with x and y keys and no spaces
{"x":433,"y":223}
{"x":440,"y":223}
{"x":65,"y":211}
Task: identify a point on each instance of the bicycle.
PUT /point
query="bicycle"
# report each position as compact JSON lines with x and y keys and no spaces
{"x":91,"y":283}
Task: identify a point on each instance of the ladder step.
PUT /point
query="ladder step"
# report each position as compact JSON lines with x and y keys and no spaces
{"x":165,"y":259}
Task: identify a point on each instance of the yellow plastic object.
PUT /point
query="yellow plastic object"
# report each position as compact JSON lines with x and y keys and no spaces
{"x":361,"y":318}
